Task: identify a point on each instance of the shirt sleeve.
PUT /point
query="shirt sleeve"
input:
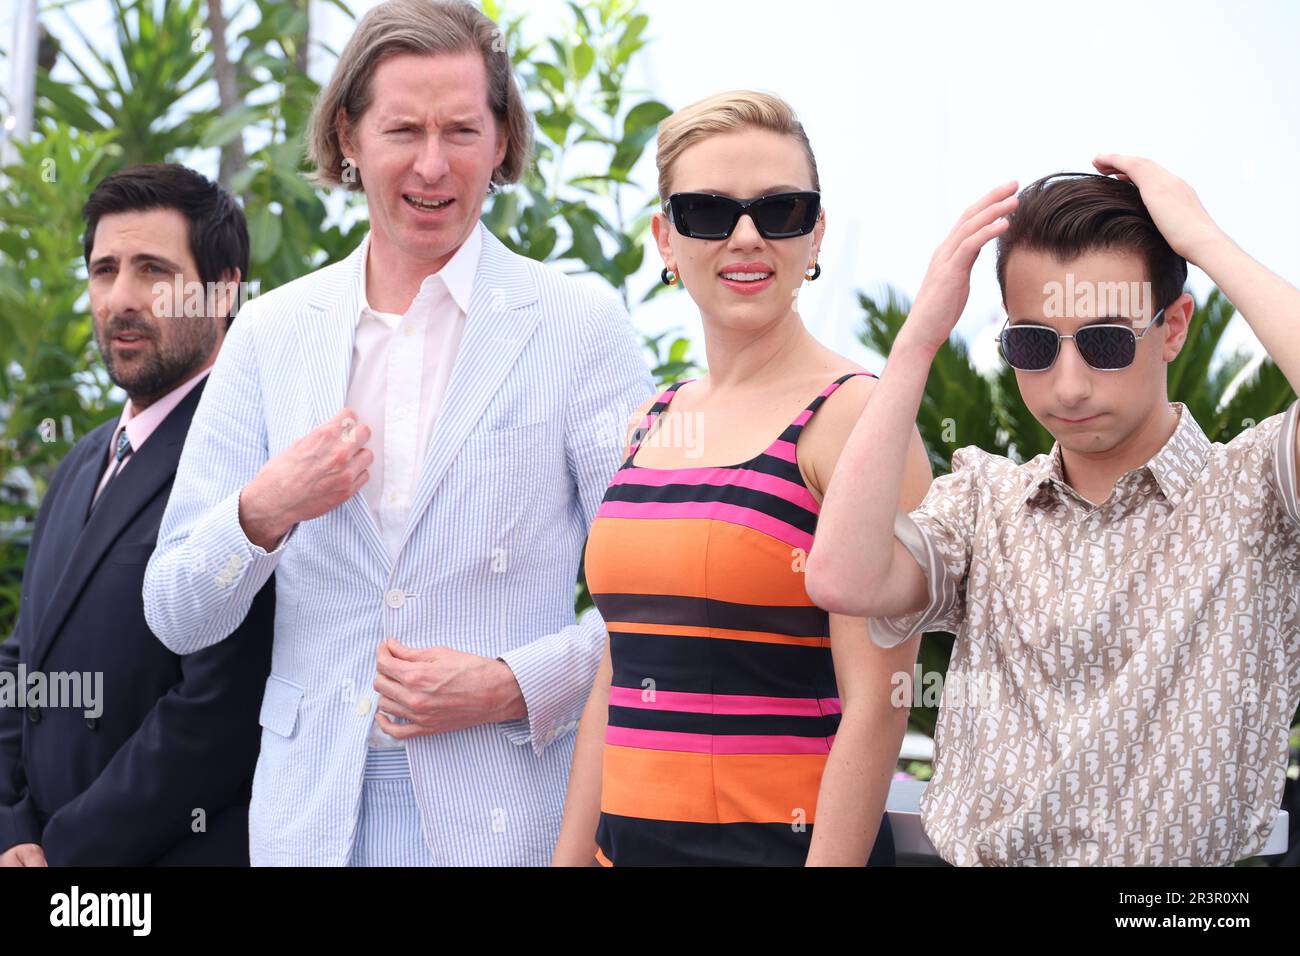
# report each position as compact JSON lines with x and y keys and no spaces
{"x":1281,"y":470}
{"x":555,"y":671}
{"x":1265,"y":458}
{"x":938,"y":534}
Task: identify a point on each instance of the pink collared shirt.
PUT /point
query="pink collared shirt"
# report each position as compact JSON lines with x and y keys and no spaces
{"x":140,"y":426}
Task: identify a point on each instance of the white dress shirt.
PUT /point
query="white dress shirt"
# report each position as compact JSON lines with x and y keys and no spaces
{"x":401,"y":365}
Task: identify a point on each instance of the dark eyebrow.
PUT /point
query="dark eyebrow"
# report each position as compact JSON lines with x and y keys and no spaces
{"x":139,"y":259}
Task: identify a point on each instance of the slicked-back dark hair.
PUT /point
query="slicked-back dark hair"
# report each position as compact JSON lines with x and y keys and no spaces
{"x":1070,"y":214}
{"x":218,"y":232}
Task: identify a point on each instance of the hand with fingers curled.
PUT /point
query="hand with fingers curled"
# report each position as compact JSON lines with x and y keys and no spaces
{"x":437,"y":689}
{"x":312,"y":477}
{"x":946,"y":285}
{"x":1173,"y":204}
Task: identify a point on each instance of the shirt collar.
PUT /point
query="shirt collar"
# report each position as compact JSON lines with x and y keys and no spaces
{"x":455,"y":277}
{"x":140,"y":425}
{"x":1174,"y":467}
{"x":1178,"y":463}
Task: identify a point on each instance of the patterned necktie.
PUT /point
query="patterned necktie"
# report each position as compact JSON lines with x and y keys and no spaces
{"x":119,"y":457}
{"x":123,"y":449}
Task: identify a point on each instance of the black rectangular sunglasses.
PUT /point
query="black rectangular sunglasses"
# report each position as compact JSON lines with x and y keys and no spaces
{"x":708,"y":216}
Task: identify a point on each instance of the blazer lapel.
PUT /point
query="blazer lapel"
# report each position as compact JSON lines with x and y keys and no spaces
{"x":327,"y":339}
{"x":120,"y":503}
{"x":503,"y":314}
{"x":66,"y":525}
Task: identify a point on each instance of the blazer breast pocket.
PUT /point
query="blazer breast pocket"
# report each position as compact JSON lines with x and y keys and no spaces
{"x":280,"y":704}
{"x":503,"y":438}
{"x":501,"y":468}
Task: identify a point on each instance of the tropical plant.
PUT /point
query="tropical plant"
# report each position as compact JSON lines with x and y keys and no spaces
{"x":48,"y":385}
{"x":574,"y":204}
{"x":144,"y":86}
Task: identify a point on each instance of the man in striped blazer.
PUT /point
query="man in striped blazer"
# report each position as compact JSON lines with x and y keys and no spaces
{"x":414,"y":440}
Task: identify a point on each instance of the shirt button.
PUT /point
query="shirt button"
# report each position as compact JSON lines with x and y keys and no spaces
{"x":395,"y":598}
{"x":34,"y":714}
{"x":92,"y":723}
{"x":363,"y":706}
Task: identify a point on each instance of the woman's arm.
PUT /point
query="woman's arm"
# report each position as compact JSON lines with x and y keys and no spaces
{"x":855,"y":783}
{"x":873,"y":716}
{"x":576,"y":845}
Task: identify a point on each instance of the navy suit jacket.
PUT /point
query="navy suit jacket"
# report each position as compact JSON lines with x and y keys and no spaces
{"x":163,"y":775}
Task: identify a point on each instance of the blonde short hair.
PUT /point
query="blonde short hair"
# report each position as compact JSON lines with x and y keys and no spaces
{"x":426,"y":27}
{"x":726,"y":113}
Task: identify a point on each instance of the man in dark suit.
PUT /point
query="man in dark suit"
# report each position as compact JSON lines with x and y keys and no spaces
{"x":153,"y":763}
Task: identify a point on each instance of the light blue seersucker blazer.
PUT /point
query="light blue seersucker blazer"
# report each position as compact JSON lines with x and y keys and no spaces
{"x":531,"y":430}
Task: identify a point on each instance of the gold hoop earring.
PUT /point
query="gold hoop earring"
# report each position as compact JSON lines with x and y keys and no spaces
{"x":667,"y":277}
{"x":816,"y":271}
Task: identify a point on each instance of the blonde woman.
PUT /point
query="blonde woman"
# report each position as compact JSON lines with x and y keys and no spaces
{"x":733,"y":722}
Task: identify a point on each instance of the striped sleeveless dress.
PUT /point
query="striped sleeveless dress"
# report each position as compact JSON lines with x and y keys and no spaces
{"x":723,"y":704}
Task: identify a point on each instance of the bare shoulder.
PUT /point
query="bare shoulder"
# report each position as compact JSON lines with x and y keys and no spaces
{"x":847,"y":402}
{"x":835,"y":419}
{"x":643,"y":410}
{"x":637,"y":417}
{"x":824,"y":436}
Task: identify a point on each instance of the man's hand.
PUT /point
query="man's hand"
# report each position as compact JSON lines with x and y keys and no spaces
{"x":441,"y":689}
{"x":313,"y":476}
{"x":946,"y":285}
{"x":24,"y":854}
{"x":1174,"y":206}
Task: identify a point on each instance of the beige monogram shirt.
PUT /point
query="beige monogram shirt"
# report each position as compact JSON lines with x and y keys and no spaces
{"x":1124,"y":674}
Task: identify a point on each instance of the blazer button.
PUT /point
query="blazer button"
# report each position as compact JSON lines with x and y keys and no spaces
{"x":395,"y":598}
{"x":92,"y":723}
{"x":34,"y":714}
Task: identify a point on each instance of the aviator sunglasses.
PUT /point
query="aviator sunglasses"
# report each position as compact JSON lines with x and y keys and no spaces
{"x":1107,"y":348}
{"x":778,"y":216}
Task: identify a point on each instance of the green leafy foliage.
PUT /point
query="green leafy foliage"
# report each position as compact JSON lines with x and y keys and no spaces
{"x":50,"y":393}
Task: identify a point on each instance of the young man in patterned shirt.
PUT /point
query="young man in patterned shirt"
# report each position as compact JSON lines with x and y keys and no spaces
{"x":1127,"y":658}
